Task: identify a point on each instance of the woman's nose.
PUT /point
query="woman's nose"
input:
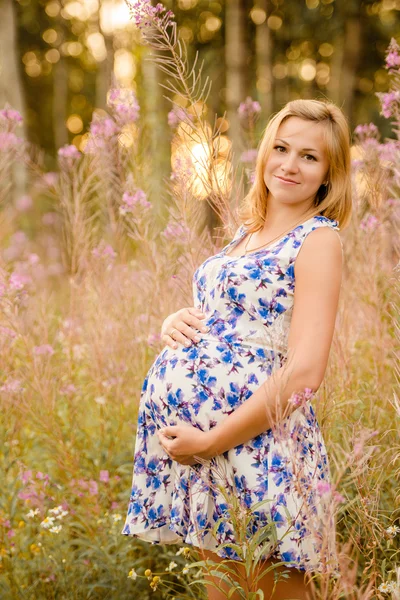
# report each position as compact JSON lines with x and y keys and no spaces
{"x":289,"y":163}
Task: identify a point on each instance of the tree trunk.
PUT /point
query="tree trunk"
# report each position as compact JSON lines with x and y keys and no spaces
{"x":157,"y":135}
{"x":351,"y":51}
{"x":334,"y":86}
{"x":11,"y":90}
{"x":236,"y":67}
{"x":105,"y":73}
{"x":264,"y":63}
{"x":60,"y":95}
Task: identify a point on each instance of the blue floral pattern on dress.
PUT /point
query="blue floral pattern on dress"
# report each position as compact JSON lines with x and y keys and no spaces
{"x":248,"y":302}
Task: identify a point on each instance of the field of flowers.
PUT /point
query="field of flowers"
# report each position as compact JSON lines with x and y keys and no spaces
{"x":90,"y":267}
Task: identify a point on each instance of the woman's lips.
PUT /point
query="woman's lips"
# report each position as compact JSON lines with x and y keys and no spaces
{"x":285,"y":181}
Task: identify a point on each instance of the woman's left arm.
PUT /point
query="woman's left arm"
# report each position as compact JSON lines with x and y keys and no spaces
{"x":318,"y":272}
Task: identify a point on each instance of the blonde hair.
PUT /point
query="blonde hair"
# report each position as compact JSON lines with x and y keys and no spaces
{"x":334,"y":200}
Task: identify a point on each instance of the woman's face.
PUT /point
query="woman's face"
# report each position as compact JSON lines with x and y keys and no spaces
{"x":298,"y":155}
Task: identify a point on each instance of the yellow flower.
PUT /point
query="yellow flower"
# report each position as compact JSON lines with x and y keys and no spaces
{"x":156,"y":579}
{"x":186,"y":552}
{"x":132,"y":574}
{"x":34,"y":548}
{"x":148,"y":573}
{"x":21,"y":524}
{"x":3,"y":552}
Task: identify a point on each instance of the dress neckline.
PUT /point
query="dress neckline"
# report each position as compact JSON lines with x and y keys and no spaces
{"x":235,"y":242}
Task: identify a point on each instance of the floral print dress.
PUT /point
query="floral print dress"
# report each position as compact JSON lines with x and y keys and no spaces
{"x":278,"y":475}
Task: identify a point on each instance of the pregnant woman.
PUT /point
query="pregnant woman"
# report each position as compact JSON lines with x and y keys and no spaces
{"x":236,"y":364}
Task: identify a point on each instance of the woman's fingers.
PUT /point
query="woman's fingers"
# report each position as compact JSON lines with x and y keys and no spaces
{"x":185,"y":328}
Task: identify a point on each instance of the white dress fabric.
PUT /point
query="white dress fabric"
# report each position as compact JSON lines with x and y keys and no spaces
{"x":282,"y":475}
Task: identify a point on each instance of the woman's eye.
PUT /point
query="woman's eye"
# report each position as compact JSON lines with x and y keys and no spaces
{"x":310,"y":156}
{"x":277,"y":147}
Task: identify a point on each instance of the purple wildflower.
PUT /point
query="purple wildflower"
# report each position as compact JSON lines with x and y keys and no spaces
{"x":138,"y":200}
{"x":104,"y":251}
{"x":389,"y":103}
{"x":50,"y":179}
{"x":104,"y":476}
{"x":368,"y":130}
{"x":11,"y":386}
{"x":323,"y":487}
{"x":297,"y":399}
{"x":10,"y":114}
{"x":369,"y":223}
{"x":18,"y":281}
{"x":93,"y":487}
{"x":145,"y":15}
{"x":7,"y":332}
{"x":124,"y":105}
{"x":23,"y":203}
{"x":393,"y":55}
{"x":252,"y":177}
{"x":69,"y":152}
{"x":176,"y":232}
{"x":249,"y":109}
{"x":43,"y":349}
{"x":8,"y":141}
{"x":176,"y":115}
{"x":390,"y":151}
{"x":338,"y":497}
{"x":102,"y":130}
{"x":68,"y":390}
{"x":249,"y":156}
{"x":183,"y":169}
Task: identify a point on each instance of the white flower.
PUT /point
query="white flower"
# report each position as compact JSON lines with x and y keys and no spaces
{"x":132,"y":574}
{"x":186,"y":569}
{"x":392,"y":530}
{"x":55,"y":529}
{"x":62,"y":514}
{"x":172,"y":565}
{"x":117,"y":517}
{"x":387,"y":587}
{"x":32,"y":513}
{"x":180,"y":551}
{"x":100,"y":400}
{"x":47,"y":522}
{"x":56,"y":510}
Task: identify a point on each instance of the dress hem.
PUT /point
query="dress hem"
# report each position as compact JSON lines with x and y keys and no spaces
{"x":181,"y":541}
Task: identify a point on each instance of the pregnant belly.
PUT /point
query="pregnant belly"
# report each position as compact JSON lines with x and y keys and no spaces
{"x":205,"y":382}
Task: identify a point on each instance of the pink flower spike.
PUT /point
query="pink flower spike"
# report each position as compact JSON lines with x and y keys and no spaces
{"x":11,"y":115}
{"x":323,"y":487}
{"x":249,"y":156}
{"x":17,"y":281}
{"x":338,"y":497}
{"x":44,"y":349}
{"x":249,"y":109}
{"x":8,"y":141}
{"x":93,"y":487}
{"x":24,"y":203}
{"x":69,"y":151}
{"x":104,"y":476}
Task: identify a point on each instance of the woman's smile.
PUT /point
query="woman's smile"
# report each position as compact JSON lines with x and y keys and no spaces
{"x":286,"y":181}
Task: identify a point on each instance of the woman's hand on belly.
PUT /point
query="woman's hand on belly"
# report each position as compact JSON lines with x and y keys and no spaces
{"x":187,"y":444}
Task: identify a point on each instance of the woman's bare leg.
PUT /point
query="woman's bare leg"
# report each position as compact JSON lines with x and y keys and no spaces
{"x":212,"y":592}
{"x":296,"y":587}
